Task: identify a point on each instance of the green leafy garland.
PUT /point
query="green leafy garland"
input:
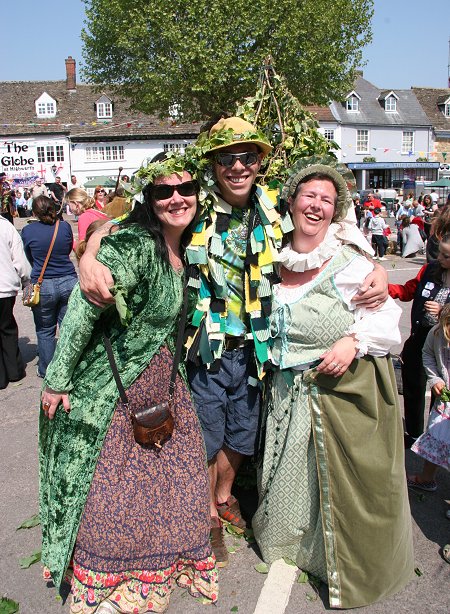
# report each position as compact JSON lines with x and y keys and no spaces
{"x":289,"y":127}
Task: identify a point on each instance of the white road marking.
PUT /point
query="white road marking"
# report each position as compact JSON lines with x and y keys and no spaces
{"x":276,"y":591}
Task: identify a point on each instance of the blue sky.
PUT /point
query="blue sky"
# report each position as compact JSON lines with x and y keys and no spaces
{"x":410,"y":41}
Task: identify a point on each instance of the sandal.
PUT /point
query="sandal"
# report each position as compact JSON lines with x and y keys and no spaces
{"x":446,"y":553}
{"x":231,"y":512}
{"x":413,"y":482}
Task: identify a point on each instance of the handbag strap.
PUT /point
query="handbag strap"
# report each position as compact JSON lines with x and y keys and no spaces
{"x":47,"y":258}
{"x":176,"y":358}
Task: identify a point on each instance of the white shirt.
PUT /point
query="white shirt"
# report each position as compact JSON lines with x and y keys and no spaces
{"x":15,"y":269}
{"x":376,"y":331}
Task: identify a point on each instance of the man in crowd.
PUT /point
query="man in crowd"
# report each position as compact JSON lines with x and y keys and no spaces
{"x":57,"y":191}
{"x":39,"y":189}
{"x":227,"y":341}
{"x":372,"y":201}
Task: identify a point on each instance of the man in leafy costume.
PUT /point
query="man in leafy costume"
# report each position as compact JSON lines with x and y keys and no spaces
{"x":232,"y":258}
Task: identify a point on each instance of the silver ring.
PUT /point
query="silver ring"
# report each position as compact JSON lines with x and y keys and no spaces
{"x":46,"y":406}
{"x":338,"y":366}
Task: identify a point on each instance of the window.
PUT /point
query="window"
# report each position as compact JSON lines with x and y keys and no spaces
{"x":50,"y":153}
{"x":40,"y":154}
{"x":104,"y":110}
{"x":362,"y":141}
{"x":407,"y":142}
{"x":352,"y":104}
{"x":172,"y":147}
{"x":447,"y":109}
{"x":45,"y":106}
{"x":59,"y":153}
{"x":390,"y":104}
{"x":328,"y":134}
{"x":102,"y":153}
{"x":46,"y":109}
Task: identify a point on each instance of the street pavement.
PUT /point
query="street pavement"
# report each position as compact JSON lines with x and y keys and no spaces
{"x":241,"y":586}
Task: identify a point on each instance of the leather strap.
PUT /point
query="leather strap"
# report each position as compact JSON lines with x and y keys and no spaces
{"x":47,"y":258}
{"x":176,"y":358}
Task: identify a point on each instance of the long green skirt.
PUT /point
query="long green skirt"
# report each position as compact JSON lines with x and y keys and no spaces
{"x":333,"y":493}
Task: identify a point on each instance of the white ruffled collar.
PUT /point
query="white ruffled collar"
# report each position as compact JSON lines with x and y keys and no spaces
{"x":337,"y":234}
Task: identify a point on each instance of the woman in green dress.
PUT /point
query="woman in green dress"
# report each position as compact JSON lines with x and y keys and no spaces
{"x":133,"y":521}
{"x":332,"y":487}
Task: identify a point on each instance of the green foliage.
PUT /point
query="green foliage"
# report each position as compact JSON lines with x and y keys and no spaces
{"x":8,"y":606}
{"x":199,"y":57}
{"x":369,"y":159}
{"x":29,"y":523}
{"x":30,"y":560}
{"x":291,"y":129}
{"x":262,"y":568}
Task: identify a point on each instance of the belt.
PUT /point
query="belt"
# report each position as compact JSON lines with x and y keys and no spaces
{"x":234,"y":343}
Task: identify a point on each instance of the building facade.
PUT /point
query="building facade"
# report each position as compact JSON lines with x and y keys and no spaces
{"x":61,"y":128}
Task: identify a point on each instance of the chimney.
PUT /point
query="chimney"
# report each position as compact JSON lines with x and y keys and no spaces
{"x":71,"y":76}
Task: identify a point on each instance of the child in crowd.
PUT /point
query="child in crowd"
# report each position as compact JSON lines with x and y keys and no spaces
{"x":434,"y":444}
{"x":429,"y":291}
{"x":93,"y":226}
{"x":377,"y":226}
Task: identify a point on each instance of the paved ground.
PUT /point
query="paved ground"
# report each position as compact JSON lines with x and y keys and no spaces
{"x":240,"y":583}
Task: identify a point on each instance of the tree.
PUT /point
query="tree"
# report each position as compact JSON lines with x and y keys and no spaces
{"x":199,"y":57}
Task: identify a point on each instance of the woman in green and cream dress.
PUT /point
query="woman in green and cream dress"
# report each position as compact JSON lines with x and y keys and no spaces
{"x":332,"y":484}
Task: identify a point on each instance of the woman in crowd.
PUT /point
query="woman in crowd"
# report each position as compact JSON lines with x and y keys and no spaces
{"x":14,"y":274}
{"x":100,"y":197}
{"x":135,"y":520}
{"x":332,"y":430}
{"x":429,"y":291}
{"x":59,"y":276}
{"x":83,"y":206}
{"x":428,"y":213}
{"x":440,"y":226}
{"x":412,"y":241}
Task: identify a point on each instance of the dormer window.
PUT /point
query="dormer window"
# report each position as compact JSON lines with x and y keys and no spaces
{"x":45,"y":106}
{"x":447,"y":109}
{"x":352,"y":102}
{"x":390,"y":104}
{"x":104,"y":108}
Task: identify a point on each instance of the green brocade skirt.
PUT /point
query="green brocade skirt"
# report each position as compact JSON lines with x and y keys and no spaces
{"x":332,"y":485}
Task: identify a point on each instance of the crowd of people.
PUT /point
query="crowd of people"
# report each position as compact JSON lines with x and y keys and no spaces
{"x":289,"y":323}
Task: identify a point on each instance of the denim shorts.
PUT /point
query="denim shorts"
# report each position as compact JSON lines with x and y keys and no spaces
{"x":227,"y":405}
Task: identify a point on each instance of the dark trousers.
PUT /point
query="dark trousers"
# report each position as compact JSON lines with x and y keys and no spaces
{"x":11,"y":364}
{"x":378,"y":245}
{"x":414,"y":382}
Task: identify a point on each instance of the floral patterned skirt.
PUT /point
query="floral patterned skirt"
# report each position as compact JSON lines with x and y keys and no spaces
{"x":434,"y":444}
{"x":145,"y":525}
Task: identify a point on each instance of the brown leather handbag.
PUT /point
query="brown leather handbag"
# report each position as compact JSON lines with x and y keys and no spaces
{"x":152,"y":426}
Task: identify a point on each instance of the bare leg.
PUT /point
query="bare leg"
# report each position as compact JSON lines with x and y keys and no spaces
{"x":228,"y":463}
{"x":212,"y":473}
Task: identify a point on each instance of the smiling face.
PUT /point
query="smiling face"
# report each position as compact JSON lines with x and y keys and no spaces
{"x":176,"y":212}
{"x":236,"y":182}
{"x":312,"y":210}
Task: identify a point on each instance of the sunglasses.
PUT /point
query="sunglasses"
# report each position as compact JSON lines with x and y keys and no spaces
{"x":165,"y":191}
{"x":100,"y":192}
{"x":229,"y":159}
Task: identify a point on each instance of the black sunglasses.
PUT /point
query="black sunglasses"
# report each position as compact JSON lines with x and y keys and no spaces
{"x":229,"y":159}
{"x":101,"y":192}
{"x":164,"y":190}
